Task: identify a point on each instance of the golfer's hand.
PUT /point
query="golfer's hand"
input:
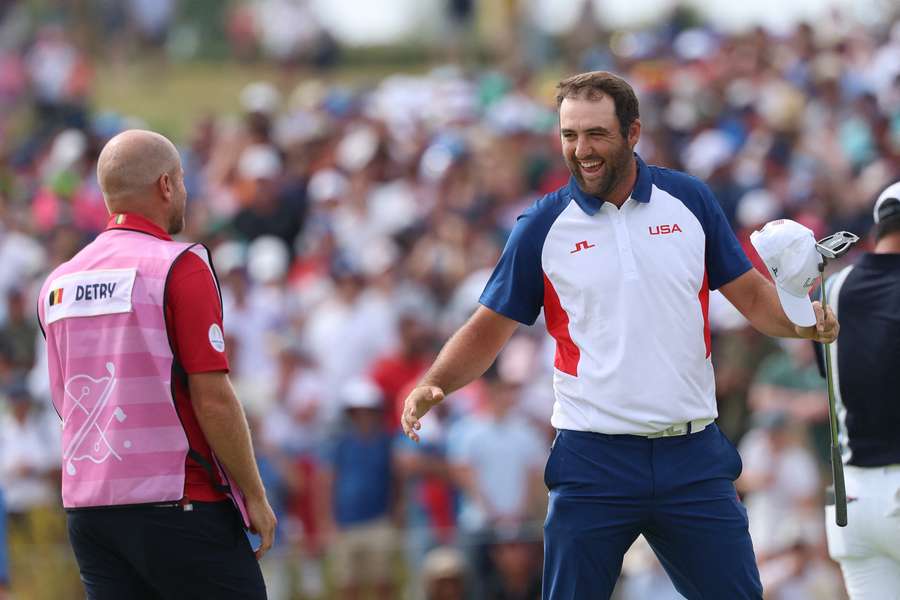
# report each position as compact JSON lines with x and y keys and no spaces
{"x":262,"y":523}
{"x":826,"y":328}
{"x":419,"y":402}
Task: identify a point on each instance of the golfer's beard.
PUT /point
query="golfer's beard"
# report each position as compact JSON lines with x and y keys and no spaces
{"x":615,"y":170}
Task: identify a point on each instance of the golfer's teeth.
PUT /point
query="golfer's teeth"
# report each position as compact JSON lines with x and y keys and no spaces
{"x":590,"y":165}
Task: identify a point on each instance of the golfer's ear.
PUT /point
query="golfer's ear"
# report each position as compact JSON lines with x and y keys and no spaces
{"x":634,"y":133}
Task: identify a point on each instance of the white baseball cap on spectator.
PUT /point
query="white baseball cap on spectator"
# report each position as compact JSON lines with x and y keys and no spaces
{"x":68,"y":147}
{"x":707,"y":152}
{"x":356,"y":149}
{"x":361,"y":393}
{"x":757,"y":206}
{"x":695,"y":44}
{"x":381,"y":254}
{"x":789,"y":251}
{"x":268,"y":259}
{"x":228,"y":256}
{"x":443,"y":562}
{"x":259,"y":161}
{"x":327,"y":184}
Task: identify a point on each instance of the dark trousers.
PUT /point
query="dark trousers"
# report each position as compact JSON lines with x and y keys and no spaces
{"x":678,"y":492}
{"x":165,"y":552}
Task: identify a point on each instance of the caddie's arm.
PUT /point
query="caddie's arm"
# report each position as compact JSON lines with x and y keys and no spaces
{"x":755,"y":297}
{"x":465,"y":357}
{"x":222,"y":420}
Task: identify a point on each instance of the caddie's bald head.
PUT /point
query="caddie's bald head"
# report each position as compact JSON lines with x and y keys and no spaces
{"x":131,"y":163}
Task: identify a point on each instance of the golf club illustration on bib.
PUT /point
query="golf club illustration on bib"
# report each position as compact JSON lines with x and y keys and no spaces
{"x":90,"y":397}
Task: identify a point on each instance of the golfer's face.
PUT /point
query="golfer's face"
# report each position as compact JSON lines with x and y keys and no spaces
{"x":593,"y":146}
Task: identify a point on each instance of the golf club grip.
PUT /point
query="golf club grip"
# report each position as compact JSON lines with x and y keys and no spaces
{"x":840,"y":491}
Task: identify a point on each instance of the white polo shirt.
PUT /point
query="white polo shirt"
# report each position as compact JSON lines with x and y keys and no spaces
{"x":625,"y":293}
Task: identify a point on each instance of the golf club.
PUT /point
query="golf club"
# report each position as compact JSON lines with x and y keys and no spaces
{"x":832,"y":247}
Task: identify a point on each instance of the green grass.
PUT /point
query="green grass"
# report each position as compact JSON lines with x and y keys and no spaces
{"x":172,"y":97}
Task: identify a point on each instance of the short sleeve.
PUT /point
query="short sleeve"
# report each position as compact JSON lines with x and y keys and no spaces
{"x":516,"y":287}
{"x":194,"y":316}
{"x":725,"y":259}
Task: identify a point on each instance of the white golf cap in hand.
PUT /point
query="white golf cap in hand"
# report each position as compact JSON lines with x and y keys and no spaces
{"x":789,"y":251}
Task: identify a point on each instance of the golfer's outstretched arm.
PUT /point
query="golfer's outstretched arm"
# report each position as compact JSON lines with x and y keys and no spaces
{"x":465,"y":357}
{"x":755,"y":297}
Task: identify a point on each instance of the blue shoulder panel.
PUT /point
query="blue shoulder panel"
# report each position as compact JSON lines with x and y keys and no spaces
{"x":725,"y":259}
{"x":516,"y":287}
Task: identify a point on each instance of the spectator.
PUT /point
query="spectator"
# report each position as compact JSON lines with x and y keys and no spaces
{"x":429,"y":496}
{"x":18,"y":334}
{"x":789,"y":381}
{"x":780,"y":480}
{"x":800,"y":568}
{"x":394,"y":372}
{"x":444,"y":572}
{"x":294,"y":427}
{"x":496,"y":459}
{"x":515,"y":553}
{"x":29,"y":470}
{"x":359,"y":496}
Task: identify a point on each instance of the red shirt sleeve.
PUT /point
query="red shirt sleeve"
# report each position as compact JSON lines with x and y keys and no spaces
{"x":192,"y":308}
{"x":194,"y":316}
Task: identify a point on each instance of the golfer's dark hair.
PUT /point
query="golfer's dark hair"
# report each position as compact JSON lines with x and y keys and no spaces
{"x":596,"y":84}
{"x":888,"y":217}
{"x":887,"y":227}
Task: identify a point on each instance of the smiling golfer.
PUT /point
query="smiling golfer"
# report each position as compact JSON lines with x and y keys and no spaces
{"x":622,"y":260}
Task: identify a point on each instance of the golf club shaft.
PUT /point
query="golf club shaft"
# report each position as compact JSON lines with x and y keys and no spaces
{"x":837,"y":464}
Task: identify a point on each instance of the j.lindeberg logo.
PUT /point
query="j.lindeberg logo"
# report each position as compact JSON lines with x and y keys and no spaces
{"x":582,"y":245}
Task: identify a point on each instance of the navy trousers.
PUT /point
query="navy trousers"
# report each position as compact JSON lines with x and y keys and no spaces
{"x":162,"y":553}
{"x":678,"y":492}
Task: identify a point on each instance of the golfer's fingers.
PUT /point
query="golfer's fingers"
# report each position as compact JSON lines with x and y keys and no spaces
{"x":409,"y":422}
{"x":820,"y":316}
{"x":831,"y":327}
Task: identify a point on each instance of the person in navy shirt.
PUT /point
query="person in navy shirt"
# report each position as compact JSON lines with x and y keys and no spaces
{"x":621,"y":260}
{"x":866,"y":295}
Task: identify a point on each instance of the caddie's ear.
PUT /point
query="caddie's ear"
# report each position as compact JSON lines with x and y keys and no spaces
{"x":166,"y":186}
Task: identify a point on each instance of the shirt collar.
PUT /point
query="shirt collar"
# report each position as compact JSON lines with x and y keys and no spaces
{"x":133,"y":222}
{"x":640,"y":192}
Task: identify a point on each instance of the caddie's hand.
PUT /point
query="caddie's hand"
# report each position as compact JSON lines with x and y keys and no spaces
{"x":826,"y":328}
{"x":419,"y":402}
{"x":262,"y":523}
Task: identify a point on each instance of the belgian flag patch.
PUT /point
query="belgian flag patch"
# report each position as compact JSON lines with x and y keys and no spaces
{"x":56,"y":296}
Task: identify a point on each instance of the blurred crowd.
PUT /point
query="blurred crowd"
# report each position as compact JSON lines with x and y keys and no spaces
{"x":353,"y":229}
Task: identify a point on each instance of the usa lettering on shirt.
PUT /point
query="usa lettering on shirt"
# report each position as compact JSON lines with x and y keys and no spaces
{"x":90,"y":293}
